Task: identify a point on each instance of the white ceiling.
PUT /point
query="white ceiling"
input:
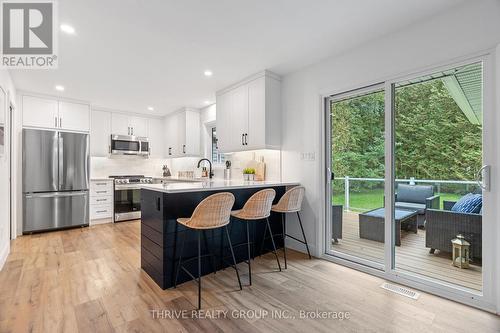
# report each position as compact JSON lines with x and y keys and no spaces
{"x":131,"y":54}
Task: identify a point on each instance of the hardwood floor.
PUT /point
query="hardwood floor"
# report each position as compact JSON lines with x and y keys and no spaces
{"x":89,"y":280}
{"x":411,"y":256}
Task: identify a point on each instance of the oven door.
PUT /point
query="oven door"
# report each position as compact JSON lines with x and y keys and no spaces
{"x":127,"y":202}
{"x":125,"y":145}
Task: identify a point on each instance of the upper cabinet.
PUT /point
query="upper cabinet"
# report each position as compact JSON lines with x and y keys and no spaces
{"x":54,"y":114}
{"x":100,"y":133}
{"x":249,"y":114}
{"x":182,"y":133}
{"x":123,"y":124}
{"x":156,"y":141}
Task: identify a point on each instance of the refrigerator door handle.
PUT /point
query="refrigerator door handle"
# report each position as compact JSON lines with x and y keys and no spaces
{"x":55,"y":194}
{"x":60,"y":149}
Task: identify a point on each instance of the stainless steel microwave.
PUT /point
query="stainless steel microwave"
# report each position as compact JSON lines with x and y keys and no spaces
{"x":129,"y":145}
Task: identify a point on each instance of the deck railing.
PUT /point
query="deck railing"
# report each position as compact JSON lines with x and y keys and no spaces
{"x":411,"y":180}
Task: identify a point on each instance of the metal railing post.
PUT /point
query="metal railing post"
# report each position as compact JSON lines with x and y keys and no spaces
{"x":346,"y":192}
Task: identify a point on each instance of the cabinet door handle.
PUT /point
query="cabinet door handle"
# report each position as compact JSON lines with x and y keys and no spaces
{"x":183,"y":149}
{"x":132,"y":130}
{"x":246,"y":139}
{"x":243,"y":139}
{"x":169,"y":150}
{"x":158,"y":207}
{"x":60,"y":122}
{"x":55,"y":121}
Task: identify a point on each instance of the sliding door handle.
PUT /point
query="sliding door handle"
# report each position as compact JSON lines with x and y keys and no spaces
{"x":483,"y":177}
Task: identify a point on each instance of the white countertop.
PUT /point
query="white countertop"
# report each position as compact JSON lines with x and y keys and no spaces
{"x":213,"y":185}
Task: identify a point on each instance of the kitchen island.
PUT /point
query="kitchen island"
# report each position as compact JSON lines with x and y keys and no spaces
{"x":162,"y":204}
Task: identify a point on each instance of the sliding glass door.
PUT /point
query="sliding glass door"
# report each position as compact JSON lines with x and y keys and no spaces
{"x":408,"y":187}
{"x":357,"y":175}
{"x":439,"y":175}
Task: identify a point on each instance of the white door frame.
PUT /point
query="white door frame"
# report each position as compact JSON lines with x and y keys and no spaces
{"x":489,"y":298}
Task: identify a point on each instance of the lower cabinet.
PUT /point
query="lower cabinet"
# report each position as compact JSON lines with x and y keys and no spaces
{"x":101,"y":201}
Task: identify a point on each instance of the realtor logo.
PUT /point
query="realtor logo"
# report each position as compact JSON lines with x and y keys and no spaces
{"x":28,"y":34}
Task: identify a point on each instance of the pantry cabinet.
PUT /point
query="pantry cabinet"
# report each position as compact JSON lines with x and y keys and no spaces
{"x":182,"y":133}
{"x":54,"y":114}
{"x":123,"y":124}
{"x":249,"y":114}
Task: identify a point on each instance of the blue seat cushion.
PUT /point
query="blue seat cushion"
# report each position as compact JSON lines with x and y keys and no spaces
{"x":469,"y":203}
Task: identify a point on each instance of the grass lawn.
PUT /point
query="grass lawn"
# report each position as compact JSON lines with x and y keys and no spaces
{"x":363,"y":201}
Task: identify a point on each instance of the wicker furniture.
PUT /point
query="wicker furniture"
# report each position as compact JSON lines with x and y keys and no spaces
{"x":257,"y":207}
{"x":290,"y":202}
{"x":371,"y":224}
{"x":337,"y":216}
{"x":416,"y":198}
{"x":444,"y":225}
{"x":212,"y":212}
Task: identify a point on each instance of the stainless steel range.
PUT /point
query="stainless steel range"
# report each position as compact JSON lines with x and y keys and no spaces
{"x":127,"y":199}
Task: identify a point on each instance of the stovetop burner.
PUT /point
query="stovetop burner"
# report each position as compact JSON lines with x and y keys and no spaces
{"x":132,"y":179}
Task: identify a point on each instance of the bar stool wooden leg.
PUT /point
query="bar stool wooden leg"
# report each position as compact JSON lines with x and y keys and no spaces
{"x":234,"y":259}
{"x":199,"y":269}
{"x":304,"y":235}
{"x":249,"y":255}
{"x":272,"y":241}
{"x":180,"y":259}
{"x":283,"y":228}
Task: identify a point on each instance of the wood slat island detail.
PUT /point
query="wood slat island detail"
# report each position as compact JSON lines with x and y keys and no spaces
{"x":161,"y":205}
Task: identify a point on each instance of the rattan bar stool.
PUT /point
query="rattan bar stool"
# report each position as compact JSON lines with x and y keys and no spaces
{"x":257,"y":207}
{"x":290,"y":202}
{"x":211,"y":213}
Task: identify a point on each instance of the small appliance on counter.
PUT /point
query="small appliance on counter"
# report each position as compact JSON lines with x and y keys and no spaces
{"x":227,"y":171}
{"x":166,"y":171}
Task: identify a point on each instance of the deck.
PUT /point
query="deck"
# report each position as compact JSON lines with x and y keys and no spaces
{"x":411,"y":256}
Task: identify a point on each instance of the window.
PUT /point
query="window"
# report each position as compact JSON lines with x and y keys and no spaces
{"x":216,"y":156}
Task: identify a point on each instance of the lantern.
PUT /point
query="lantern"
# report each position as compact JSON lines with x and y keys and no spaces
{"x":461,"y":249}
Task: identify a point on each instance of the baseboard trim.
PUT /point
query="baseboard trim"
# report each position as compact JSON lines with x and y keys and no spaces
{"x":4,"y":253}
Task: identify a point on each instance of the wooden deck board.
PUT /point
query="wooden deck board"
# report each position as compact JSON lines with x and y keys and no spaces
{"x":411,"y":256}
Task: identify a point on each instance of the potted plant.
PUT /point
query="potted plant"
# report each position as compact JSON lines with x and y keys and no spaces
{"x":248,"y":174}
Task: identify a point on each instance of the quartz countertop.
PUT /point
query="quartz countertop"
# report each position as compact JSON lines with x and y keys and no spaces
{"x":213,"y":185}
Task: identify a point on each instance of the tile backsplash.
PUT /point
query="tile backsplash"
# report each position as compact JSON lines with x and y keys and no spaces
{"x":129,"y":165}
{"x":126,"y":165}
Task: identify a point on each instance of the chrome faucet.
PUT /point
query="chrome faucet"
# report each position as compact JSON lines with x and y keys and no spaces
{"x":210,"y":173}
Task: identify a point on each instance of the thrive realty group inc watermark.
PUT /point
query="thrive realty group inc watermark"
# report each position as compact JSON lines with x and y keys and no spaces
{"x":249,"y":314}
{"x":28,"y":34}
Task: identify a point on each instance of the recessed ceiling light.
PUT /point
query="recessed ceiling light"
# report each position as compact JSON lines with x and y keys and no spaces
{"x":208,"y":72}
{"x":59,"y":88}
{"x":67,"y":29}
{"x":150,"y":108}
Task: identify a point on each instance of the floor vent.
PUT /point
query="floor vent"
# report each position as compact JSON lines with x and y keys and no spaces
{"x":400,"y":290}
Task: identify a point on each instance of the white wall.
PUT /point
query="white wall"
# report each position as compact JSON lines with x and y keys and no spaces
{"x":10,"y":97}
{"x":126,"y":165}
{"x":467,"y":29}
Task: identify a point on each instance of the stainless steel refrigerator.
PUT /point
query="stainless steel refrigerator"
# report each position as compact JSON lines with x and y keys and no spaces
{"x":55,"y":180}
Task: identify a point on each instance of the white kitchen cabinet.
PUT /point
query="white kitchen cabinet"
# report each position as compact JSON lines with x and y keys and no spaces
{"x":249,"y":114}
{"x":74,"y":116}
{"x":156,"y":138}
{"x":100,"y":133}
{"x":139,"y":126}
{"x":101,"y":201}
{"x":40,"y":112}
{"x":51,"y":113}
{"x":123,"y":124}
{"x":182,"y":133}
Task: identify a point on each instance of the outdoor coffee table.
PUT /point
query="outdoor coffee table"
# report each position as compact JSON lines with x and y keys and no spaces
{"x":371,"y":224}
